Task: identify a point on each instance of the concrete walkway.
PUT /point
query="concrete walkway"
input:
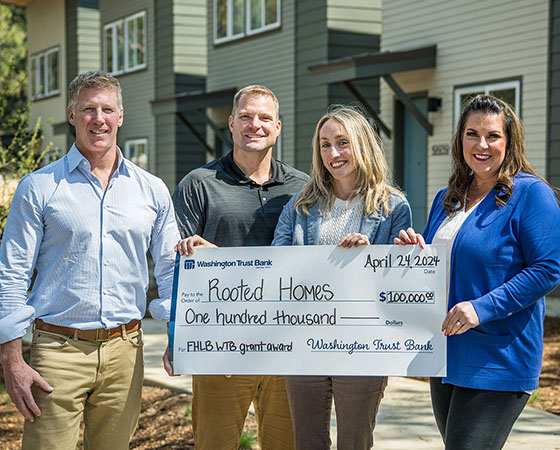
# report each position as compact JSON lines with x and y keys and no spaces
{"x":405,"y":420}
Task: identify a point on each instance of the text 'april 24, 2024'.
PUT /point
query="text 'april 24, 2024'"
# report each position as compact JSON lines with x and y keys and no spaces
{"x":373,"y":310}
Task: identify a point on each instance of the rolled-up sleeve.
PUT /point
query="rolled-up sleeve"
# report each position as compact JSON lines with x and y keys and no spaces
{"x":18,"y":253}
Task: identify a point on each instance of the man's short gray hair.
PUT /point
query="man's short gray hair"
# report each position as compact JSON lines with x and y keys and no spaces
{"x":94,"y":79}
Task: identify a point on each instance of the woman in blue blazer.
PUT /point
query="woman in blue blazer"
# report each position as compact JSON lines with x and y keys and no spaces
{"x":349,"y":201}
{"x":501,"y":224}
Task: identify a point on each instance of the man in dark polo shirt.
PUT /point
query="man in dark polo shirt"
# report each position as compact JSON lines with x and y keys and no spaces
{"x":230,"y":202}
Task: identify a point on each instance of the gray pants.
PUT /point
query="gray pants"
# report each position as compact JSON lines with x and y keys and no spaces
{"x":356,"y":401}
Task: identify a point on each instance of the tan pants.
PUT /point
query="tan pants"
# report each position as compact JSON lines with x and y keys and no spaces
{"x":220,"y":406}
{"x":101,"y":381}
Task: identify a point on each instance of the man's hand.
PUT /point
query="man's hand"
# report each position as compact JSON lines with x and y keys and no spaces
{"x":167,"y":364}
{"x":186,"y":246}
{"x":19,"y":378}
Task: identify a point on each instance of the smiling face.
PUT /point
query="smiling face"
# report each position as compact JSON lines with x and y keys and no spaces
{"x":484,"y":144}
{"x":254,"y":124}
{"x":97,"y":117}
{"x":338,"y":157}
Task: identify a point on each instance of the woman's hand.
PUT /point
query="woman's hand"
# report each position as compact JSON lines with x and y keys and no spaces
{"x":461,"y":318}
{"x":187,"y":246}
{"x":353,"y":240}
{"x":410,"y":237}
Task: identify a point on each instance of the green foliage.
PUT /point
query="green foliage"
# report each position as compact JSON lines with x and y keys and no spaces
{"x":187,"y":411}
{"x":4,"y":397}
{"x":535,"y":398}
{"x":20,"y":145}
{"x":12,"y":59}
{"x":248,"y":440}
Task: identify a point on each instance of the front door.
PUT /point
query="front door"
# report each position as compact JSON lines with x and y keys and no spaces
{"x":411,"y":147}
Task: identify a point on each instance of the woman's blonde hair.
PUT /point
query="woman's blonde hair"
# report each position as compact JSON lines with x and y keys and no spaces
{"x":373,"y":184}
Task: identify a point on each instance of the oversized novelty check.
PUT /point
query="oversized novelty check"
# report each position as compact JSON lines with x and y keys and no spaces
{"x":310,"y":310}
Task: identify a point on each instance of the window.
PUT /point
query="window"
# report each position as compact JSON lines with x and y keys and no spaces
{"x":137,"y":151}
{"x":508,"y":91}
{"x":124,"y":44}
{"x":45,"y":81}
{"x":234,"y":19}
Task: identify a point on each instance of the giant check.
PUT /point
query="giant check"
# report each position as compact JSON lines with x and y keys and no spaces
{"x":310,"y":310}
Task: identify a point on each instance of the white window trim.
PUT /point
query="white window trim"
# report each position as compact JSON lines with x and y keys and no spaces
{"x":270,"y":26}
{"x":132,"y":142}
{"x":45,"y":83}
{"x":247,"y":31}
{"x":486,"y":87}
{"x":124,"y":23}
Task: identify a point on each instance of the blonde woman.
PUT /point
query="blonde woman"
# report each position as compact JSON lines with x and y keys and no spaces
{"x":349,"y":201}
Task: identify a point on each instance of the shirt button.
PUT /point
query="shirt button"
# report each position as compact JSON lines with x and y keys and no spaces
{"x":264,"y":199}
{"x":105,"y":263}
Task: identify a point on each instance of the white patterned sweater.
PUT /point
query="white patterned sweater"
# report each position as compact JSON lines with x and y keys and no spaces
{"x":344,"y":218}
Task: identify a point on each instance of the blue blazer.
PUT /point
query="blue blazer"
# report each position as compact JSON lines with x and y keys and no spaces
{"x":296,"y":229}
{"x":505,"y":259}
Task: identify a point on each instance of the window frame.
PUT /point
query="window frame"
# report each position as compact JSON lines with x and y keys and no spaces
{"x":124,"y":23}
{"x":263,"y":28}
{"x":40,"y":62}
{"x":486,"y":87}
{"x":247,"y":30}
{"x":129,"y":144}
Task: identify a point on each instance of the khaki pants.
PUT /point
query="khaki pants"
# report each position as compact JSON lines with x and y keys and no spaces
{"x":101,"y":381}
{"x":220,"y":406}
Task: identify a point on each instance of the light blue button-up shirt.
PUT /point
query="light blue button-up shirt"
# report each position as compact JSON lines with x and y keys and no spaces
{"x":88,"y":247}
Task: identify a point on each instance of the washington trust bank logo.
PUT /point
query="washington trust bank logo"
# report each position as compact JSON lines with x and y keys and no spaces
{"x":191,"y":264}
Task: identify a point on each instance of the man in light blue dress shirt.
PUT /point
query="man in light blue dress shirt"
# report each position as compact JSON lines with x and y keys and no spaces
{"x":85,"y":224}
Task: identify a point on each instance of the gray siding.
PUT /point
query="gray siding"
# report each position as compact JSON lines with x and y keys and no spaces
{"x":266,"y":58}
{"x":138,"y":87}
{"x":180,"y":60}
{"x":311,"y":48}
{"x":165,"y":88}
{"x":553,"y":125}
{"x":330,"y":30}
{"x":82,"y":44}
{"x":190,"y":67}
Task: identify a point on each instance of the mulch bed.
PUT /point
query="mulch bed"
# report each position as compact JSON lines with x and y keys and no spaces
{"x":165,"y":420}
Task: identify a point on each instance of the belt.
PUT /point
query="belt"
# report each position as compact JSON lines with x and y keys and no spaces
{"x":99,"y":334}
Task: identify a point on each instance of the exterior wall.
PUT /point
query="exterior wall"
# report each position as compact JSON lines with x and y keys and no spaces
{"x":500,"y":39}
{"x":138,"y":87}
{"x":180,"y":66}
{"x":82,"y":41}
{"x":45,"y":30}
{"x":312,"y":98}
{"x":190,"y":68}
{"x":553,"y":122}
{"x":267,"y":58}
{"x":330,"y":30}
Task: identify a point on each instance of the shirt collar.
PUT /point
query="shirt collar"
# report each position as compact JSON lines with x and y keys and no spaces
{"x":75,"y":158}
{"x":233,"y":170}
